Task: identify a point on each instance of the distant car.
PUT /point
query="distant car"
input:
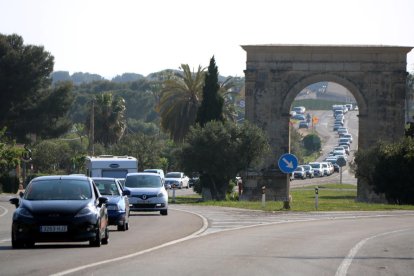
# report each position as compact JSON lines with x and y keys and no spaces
{"x":339,"y":151}
{"x":325,"y":168}
{"x":193,"y":180}
{"x":60,"y":208}
{"x":177,"y":180}
{"x":118,"y":203}
{"x":299,"y":172}
{"x":309,"y":171}
{"x":146,"y":192}
{"x":303,"y":124}
{"x":349,"y":136}
{"x":317,"y":168}
{"x":157,"y":171}
{"x":344,"y":141}
{"x":347,"y":149}
{"x":336,"y":126}
{"x":299,"y":117}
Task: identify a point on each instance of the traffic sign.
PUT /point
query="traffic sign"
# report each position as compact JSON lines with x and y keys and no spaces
{"x":341,"y":161}
{"x":288,"y":163}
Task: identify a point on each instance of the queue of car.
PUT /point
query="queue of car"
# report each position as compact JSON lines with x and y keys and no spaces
{"x":342,"y":150}
{"x":78,"y":208}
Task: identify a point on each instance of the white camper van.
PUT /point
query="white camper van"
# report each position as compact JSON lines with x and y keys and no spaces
{"x":110,"y":166}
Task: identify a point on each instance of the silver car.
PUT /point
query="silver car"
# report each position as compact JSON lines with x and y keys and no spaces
{"x":146,"y":192}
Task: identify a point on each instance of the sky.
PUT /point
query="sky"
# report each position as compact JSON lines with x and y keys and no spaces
{"x":109,"y":37}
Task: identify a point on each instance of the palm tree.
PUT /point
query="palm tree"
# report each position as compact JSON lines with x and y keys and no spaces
{"x":180,"y":99}
{"x":109,"y":119}
{"x":226,"y":91}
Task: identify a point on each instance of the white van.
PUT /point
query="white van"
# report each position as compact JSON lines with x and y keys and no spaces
{"x":110,"y":166}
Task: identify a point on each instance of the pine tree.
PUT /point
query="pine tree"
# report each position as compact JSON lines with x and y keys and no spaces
{"x":211,"y":108}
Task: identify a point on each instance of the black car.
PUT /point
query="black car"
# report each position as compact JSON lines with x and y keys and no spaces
{"x":60,"y":209}
{"x":118,"y":203}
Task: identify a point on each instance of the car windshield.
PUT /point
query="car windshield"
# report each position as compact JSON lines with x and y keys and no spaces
{"x":58,"y":189}
{"x":173,"y":175}
{"x":315,"y":166}
{"x":143,"y":181}
{"x":107,"y":187}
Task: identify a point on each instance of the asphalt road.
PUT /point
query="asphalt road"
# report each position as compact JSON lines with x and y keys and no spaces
{"x":147,"y":230}
{"x":329,"y":138}
{"x":202,"y":240}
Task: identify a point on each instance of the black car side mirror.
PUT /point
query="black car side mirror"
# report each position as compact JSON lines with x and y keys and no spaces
{"x":15,"y":201}
{"x":102,"y":200}
{"x":126,"y":192}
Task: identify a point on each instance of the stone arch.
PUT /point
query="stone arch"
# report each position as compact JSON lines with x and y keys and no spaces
{"x":275,"y":74}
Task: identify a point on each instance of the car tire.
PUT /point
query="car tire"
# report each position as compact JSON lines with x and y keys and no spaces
{"x":164,"y":212}
{"x":122,"y":227}
{"x":16,"y":244}
{"x":96,"y":241}
{"x":105,"y":240}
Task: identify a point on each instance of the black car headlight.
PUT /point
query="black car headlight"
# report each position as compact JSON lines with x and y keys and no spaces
{"x":161,"y":194}
{"x":87,"y":211}
{"x":24,"y":213}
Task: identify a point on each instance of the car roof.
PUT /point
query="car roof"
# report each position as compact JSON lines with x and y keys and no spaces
{"x":104,"y":178}
{"x":143,"y":173}
{"x":80,"y":177}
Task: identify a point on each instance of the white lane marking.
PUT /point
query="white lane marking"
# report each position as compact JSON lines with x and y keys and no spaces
{"x":346,"y":262}
{"x":4,"y":212}
{"x":191,"y":236}
{"x":203,"y":232}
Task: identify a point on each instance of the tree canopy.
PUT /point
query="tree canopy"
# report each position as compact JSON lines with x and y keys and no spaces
{"x":28,"y":104}
{"x":387,"y":167}
{"x":179,"y":102}
{"x":218,"y":151}
{"x":211,"y":108}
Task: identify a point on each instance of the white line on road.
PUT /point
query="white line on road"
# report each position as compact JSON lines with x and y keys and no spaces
{"x":343,"y":268}
{"x":195,"y":234}
{"x":5,"y":211}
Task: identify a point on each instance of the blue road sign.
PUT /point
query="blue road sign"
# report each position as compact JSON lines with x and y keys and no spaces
{"x":288,"y":163}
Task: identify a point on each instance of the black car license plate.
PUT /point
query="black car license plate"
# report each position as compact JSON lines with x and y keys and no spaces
{"x":53,"y":228}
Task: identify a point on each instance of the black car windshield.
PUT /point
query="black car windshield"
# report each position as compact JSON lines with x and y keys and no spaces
{"x":58,"y":189}
{"x":107,"y":187}
{"x":143,"y":181}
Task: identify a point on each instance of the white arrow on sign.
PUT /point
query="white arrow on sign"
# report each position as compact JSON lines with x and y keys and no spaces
{"x":288,"y":164}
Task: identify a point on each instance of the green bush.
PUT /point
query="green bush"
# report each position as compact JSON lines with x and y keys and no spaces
{"x":312,"y":143}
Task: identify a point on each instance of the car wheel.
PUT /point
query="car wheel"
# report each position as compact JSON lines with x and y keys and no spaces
{"x":164,"y":212}
{"x":122,"y":227}
{"x":127,"y":226}
{"x":96,"y":242}
{"x":105,"y":240}
{"x":16,"y":244}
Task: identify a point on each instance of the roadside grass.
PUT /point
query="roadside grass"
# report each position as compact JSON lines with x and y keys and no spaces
{"x":331,"y":197}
